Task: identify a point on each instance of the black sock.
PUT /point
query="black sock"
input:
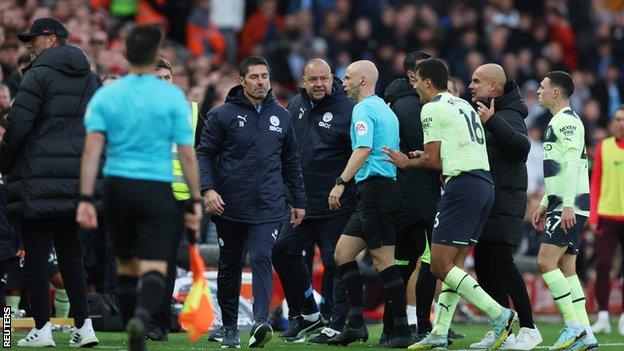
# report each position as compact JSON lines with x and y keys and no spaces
{"x":388,"y":321}
{"x":127,"y":295}
{"x":150,"y":295}
{"x":425,"y":289}
{"x":394,"y":291}
{"x":308,"y":305}
{"x":353,"y":283}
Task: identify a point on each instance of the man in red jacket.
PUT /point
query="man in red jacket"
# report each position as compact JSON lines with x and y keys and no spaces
{"x":607,"y":214}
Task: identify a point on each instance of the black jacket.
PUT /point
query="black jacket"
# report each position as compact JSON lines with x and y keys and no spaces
{"x":508,"y":147}
{"x":45,"y":136}
{"x":420,"y":189}
{"x":322,"y":131}
{"x":9,"y":240}
{"x":248,"y":157}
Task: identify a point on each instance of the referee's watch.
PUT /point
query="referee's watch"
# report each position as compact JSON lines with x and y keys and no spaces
{"x":340,"y":181}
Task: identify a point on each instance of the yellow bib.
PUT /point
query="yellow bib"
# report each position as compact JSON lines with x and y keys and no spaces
{"x":180,"y":189}
{"x":611,"y":201}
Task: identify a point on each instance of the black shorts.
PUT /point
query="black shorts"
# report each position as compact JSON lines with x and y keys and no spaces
{"x":142,"y":218}
{"x":464,"y":209}
{"x":378,"y":203}
{"x":556,"y":236}
{"x":411,"y":241}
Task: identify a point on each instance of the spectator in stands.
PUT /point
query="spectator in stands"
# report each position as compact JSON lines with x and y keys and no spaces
{"x":203,"y":37}
{"x":261,"y":27}
{"x":15,"y":77}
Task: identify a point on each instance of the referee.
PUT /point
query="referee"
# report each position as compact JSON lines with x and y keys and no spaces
{"x":139,"y":128}
{"x":373,"y":126}
{"x":158,"y":328}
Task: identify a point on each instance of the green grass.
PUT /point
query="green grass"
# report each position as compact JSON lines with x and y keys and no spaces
{"x":179,"y":341}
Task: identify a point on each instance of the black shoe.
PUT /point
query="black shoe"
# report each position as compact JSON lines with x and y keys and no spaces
{"x":326,"y":334}
{"x":382,"y":340}
{"x":136,"y":334}
{"x":230,"y":338}
{"x":298,"y":327}
{"x":349,"y":335}
{"x":398,"y":342}
{"x":293,"y":328}
{"x":157,"y":333}
{"x":261,"y":334}
{"x":455,"y":335}
{"x":216,"y":335}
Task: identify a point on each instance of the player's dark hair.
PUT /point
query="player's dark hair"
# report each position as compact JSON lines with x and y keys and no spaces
{"x":435,"y":70}
{"x":410,"y":60}
{"x":142,"y":44}
{"x":243,"y":67}
{"x":563,"y":81}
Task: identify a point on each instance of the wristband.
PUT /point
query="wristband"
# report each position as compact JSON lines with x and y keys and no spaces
{"x":85,"y":198}
{"x":189,"y":205}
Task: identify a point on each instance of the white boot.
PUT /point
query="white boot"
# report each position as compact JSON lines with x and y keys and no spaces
{"x":38,"y":337}
{"x":527,"y":339}
{"x":84,"y":337}
{"x":488,"y":341}
{"x":602,"y":324}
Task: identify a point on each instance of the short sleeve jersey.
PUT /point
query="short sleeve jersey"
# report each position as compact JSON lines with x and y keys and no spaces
{"x":454,"y":123}
{"x":143,"y":117}
{"x":565,"y":136}
{"x":374,"y":125}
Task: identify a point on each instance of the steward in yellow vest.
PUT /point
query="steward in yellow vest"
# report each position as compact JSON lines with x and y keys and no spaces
{"x":180,"y":189}
{"x":606,"y":215}
{"x":607,"y":183}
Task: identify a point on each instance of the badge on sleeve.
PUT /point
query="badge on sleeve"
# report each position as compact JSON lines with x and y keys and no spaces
{"x":361,"y":128}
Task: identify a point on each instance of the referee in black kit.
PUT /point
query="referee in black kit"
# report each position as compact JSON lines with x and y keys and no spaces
{"x":139,"y":128}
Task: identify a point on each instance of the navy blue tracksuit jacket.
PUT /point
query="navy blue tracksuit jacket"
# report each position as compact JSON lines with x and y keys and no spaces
{"x":324,"y":141}
{"x":248,"y":157}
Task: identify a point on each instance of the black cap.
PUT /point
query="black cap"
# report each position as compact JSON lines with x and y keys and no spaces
{"x":44,"y":26}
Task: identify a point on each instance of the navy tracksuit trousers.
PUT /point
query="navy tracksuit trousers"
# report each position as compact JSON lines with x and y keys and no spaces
{"x":235,"y":240}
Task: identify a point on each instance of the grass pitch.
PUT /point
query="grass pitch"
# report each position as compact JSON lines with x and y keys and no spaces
{"x":179,"y":341}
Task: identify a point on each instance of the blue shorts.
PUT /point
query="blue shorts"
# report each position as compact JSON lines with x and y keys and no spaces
{"x":556,"y":236}
{"x":464,"y":209}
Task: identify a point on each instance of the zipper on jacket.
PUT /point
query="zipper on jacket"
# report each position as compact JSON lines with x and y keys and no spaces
{"x":258,"y":161}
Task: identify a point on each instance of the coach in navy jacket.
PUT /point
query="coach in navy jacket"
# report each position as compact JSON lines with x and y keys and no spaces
{"x":247,"y":157}
{"x":322,"y":130}
{"x":322,"y":118}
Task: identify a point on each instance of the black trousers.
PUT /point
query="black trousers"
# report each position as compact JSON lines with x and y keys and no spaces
{"x":293,"y":269}
{"x":38,"y":237}
{"x":499,"y":277}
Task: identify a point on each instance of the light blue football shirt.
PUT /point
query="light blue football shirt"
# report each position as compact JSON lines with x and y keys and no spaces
{"x":143,"y":118}
{"x":374,"y":125}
